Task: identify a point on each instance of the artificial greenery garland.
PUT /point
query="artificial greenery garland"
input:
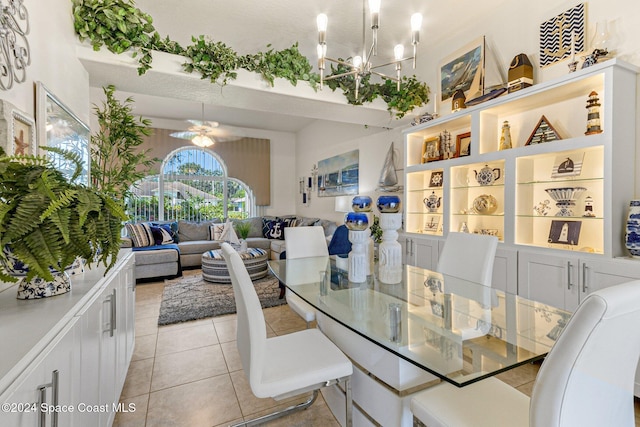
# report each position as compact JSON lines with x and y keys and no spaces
{"x":120,"y":27}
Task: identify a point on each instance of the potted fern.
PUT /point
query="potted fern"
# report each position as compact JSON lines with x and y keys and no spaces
{"x":48,"y":221}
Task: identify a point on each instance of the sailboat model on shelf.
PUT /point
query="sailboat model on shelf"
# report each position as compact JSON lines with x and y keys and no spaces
{"x":388,"y":181}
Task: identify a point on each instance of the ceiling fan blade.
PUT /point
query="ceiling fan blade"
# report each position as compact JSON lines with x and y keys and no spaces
{"x":184,"y":135}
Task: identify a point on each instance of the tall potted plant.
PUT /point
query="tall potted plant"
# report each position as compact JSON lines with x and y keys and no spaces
{"x":47,"y":221}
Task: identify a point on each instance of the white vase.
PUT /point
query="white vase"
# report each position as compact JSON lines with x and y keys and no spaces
{"x":632,"y":235}
{"x":243,"y":245}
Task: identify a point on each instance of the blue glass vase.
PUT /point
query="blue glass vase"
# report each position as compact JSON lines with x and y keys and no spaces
{"x":389,"y":204}
{"x":361,"y":204}
{"x":357,"y":221}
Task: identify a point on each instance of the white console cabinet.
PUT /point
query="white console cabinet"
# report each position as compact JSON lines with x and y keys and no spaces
{"x":72,"y":349}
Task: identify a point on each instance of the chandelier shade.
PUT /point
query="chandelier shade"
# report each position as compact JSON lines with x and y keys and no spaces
{"x":362,"y":66}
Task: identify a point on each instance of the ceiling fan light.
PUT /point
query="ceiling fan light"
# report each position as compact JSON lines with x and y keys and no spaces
{"x":202,"y":141}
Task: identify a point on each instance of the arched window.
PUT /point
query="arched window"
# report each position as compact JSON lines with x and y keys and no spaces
{"x":193,"y":185}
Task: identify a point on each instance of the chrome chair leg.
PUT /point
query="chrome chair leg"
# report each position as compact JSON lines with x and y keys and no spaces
{"x":348,"y":403}
{"x":278,"y":414}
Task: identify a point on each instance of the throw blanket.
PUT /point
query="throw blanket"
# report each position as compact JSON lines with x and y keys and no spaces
{"x":161,"y":247}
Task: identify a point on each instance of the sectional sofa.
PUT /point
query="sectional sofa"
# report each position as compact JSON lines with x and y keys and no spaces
{"x":189,"y":240}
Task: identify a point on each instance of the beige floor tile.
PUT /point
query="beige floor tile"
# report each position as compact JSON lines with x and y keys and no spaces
{"x":175,"y":340}
{"x":252,"y":405}
{"x":136,"y":415}
{"x":182,"y":325}
{"x":146,"y":326}
{"x":138,"y":379}
{"x":231,"y":356}
{"x":282,"y":319}
{"x":226,"y":331}
{"x":526,"y":388}
{"x":145,"y":347}
{"x":148,"y":298}
{"x":225,"y":318}
{"x":150,"y":309}
{"x":520,"y":375}
{"x":173,"y":369}
{"x":317,"y":414}
{"x":204,"y":403}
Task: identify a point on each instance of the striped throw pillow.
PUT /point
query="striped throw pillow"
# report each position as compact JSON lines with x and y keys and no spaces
{"x":140,"y":235}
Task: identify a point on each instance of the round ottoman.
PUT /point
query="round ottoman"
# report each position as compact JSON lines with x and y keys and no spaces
{"x":214,"y":267}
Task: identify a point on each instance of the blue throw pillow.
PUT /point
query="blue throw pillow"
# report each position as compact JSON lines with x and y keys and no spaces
{"x":171,"y":228}
{"x":275,"y":229}
{"x":161,"y":235}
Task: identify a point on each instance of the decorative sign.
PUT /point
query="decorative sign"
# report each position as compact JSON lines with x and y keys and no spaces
{"x":431,"y":149}
{"x":543,"y":132}
{"x":568,"y":165}
{"x":555,"y":35}
{"x":565,"y":232}
{"x":431,"y":226}
{"x":436,"y":179}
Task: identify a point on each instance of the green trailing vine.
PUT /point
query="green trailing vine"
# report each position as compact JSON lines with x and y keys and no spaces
{"x":121,"y":27}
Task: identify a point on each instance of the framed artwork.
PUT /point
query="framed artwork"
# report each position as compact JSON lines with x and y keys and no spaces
{"x":436,"y":179}
{"x":543,"y":132}
{"x":556,"y":36}
{"x":431,"y":149}
{"x":338,"y":175}
{"x":23,"y":134}
{"x":565,"y":232}
{"x":431,"y":226}
{"x":463,"y":144}
{"x":568,"y":165}
{"x":463,"y":69}
{"x":59,"y":127}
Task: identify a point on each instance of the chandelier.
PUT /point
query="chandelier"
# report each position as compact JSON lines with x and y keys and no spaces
{"x":362,"y":66}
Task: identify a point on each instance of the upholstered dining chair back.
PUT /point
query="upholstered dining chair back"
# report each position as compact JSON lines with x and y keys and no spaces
{"x":304,"y":242}
{"x":251,"y":329}
{"x":469,"y":256}
{"x":588,"y":377}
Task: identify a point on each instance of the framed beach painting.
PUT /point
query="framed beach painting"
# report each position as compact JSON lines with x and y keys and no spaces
{"x":464,"y":69}
{"x":339,"y":175}
{"x":59,"y":127}
{"x":17,"y":131}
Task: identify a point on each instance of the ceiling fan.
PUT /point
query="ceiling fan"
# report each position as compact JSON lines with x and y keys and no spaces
{"x":205,"y":133}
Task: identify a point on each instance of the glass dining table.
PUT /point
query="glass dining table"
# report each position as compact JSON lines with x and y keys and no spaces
{"x":459,"y":331}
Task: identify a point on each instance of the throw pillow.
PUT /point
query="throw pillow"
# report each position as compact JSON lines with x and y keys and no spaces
{"x":171,"y":227}
{"x":140,"y":235}
{"x":275,"y":229}
{"x":215,"y":231}
{"x":161,"y":236}
{"x":290,"y":221}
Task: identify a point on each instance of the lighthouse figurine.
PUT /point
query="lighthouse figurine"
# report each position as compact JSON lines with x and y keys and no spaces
{"x":593,"y":116}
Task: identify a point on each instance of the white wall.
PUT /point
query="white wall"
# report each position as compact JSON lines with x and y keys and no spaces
{"x":322,"y":140}
{"x":53,"y":60}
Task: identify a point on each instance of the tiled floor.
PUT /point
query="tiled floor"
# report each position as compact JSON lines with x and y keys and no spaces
{"x":189,"y":374}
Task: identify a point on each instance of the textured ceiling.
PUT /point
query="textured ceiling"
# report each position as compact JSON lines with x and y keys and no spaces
{"x":249,"y":26}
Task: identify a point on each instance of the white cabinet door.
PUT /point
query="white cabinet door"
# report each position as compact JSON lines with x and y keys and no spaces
{"x":50,"y":380}
{"x":420,"y":252}
{"x":108,"y":350}
{"x":549,"y":279}
{"x":602,"y":274}
{"x":505,"y":270}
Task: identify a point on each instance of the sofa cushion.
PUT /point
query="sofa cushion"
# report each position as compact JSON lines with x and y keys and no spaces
{"x":171,"y":227}
{"x":197,"y":246}
{"x":140,"y":234}
{"x":255,"y":224}
{"x":161,"y":235}
{"x":156,"y":257}
{"x":215,"y":231}
{"x":274,"y":229}
{"x":260,"y":242}
{"x":329,"y":226}
{"x":189,"y":231}
{"x":307,"y":222}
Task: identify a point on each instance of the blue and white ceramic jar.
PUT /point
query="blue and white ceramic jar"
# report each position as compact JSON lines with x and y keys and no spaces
{"x":389,"y":204}
{"x":356,"y":221}
{"x":632,"y":236}
{"x":361,"y":204}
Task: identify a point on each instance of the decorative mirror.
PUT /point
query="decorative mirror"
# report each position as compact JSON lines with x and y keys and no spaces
{"x":59,"y":127}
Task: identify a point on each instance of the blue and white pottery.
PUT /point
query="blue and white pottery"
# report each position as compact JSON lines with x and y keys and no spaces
{"x":389,"y":204}
{"x":361,"y":204}
{"x":356,"y":221}
{"x":632,"y":236}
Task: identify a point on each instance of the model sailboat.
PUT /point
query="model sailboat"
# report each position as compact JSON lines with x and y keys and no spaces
{"x":388,"y":181}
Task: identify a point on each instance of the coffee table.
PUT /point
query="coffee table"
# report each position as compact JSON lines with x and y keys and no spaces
{"x":214,"y":267}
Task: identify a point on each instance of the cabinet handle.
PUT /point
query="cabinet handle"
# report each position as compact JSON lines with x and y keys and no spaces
{"x":42,"y":399}
{"x":584,"y":278}
{"x":55,"y":389}
{"x":569,"y":266}
{"x":113,"y":312}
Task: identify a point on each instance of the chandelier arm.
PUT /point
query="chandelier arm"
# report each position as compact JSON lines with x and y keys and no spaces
{"x":384,"y":76}
{"x":391,"y":63}
{"x":338,"y":61}
{"x":337,"y":76}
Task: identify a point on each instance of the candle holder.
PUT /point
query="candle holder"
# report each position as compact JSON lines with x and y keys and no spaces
{"x":358,"y":257}
{"x":390,"y":251}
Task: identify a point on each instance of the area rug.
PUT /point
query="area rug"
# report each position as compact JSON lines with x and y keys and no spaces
{"x":190,"y":298}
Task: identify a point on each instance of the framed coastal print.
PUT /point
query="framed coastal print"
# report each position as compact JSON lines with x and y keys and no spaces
{"x":565,"y":232}
{"x":543,"y":132}
{"x":59,"y":127}
{"x":17,"y":131}
{"x":562,"y":36}
{"x":338,"y":175}
{"x":431,"y":225}
{"x":570,"y":165}
{"x":463,"y":144}
{"x":463,"y":69}
{"x":431,"y":149}
{"x":436,"y":179}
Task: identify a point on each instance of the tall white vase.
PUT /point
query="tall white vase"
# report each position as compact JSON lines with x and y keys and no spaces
{"x":359,"y":257}
{"x":390,"y":251}
{"x":632,"y":236}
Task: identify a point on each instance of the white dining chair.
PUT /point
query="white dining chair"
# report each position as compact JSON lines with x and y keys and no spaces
{"x":285,"y":365}
{"x":304,"y":242}
{"x":586,"y":380}
{"x":468,"y":256}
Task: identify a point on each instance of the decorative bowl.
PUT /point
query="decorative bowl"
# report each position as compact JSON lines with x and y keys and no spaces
{"x":361,"y":204}
{"x":485,"y":204}
{"x":356,"y":221}
{"x":389,"y":204}
{"x":565,"y":194}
